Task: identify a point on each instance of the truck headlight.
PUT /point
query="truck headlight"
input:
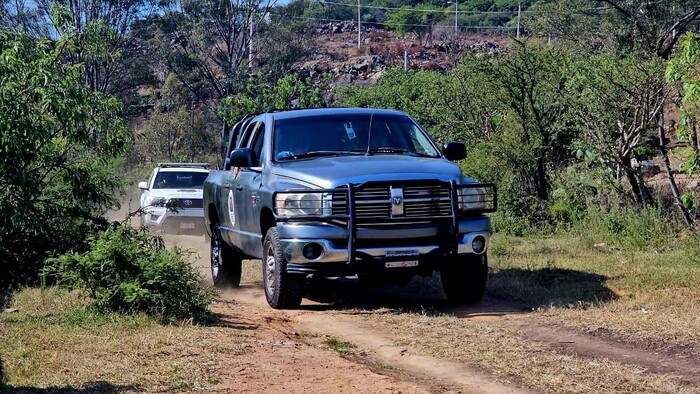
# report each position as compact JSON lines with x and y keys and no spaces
{"x":303,"y":204}
{"x":472,"y":199}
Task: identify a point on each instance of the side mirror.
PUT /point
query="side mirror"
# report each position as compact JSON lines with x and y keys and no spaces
{"x":454,"y":151}
{"x":242,"y":157}
{"x":143,"y":186}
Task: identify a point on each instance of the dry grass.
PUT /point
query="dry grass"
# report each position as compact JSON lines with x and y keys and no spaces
{"x":649,"y":294}
{"x":55,"y":342}
{"x":515,"y":360}
{"x":641,"y":296}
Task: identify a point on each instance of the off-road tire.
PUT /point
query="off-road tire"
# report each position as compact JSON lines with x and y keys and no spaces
{"x":226,"y":263}
{"x":464,"y":279}
{"x":282,"y":289}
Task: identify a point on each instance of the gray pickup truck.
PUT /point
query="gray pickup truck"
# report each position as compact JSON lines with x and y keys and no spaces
{"x":341,"y":192}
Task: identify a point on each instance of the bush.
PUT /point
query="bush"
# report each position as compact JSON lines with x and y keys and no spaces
{"x":129,"y":270}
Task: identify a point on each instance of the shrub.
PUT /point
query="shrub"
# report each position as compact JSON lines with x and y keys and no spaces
{"x":129,"y":270}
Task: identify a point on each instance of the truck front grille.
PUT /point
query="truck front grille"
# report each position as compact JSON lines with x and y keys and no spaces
{"x":419,"y":201}
{"x":187,"y":203}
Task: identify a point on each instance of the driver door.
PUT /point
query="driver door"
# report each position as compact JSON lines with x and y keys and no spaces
{"x":248,"y":184}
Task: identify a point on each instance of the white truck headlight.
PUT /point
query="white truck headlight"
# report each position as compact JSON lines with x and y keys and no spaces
{"x":303,"y":204}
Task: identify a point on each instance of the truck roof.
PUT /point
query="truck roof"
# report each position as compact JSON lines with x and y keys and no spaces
{"x":300,"y":113}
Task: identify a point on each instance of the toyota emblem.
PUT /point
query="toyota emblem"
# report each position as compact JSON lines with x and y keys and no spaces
{"x":187,"y":202}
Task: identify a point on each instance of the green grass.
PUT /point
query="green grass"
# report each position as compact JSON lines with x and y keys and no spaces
{"x":341,"y":347}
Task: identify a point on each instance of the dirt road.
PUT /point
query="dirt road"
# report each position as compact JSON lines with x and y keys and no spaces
{"x":349,"y":338}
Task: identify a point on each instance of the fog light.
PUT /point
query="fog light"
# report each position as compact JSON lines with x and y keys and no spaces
{"x":478,"y":244}
{"x":312,"y":251}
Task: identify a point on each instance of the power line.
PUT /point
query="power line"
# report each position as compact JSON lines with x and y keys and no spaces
{"x":400,"y":24}
{"x":477,"y":12}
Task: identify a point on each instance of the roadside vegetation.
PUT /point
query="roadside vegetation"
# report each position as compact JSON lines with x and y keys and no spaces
{"x":587,"y":124}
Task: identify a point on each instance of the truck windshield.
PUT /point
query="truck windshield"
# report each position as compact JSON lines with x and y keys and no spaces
{"x":179,"y":180}
{"x":349,"y":134}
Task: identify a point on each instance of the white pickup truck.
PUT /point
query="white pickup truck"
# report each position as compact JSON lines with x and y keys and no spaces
{"x":176,"y":185}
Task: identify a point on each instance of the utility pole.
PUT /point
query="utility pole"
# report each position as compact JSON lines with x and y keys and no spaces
{"x":359,"y":25}
{"x":456,"y":3}
{"x":250,"y":42}
{"x":517,"y":34}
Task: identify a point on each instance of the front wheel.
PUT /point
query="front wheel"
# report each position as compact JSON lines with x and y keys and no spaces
{"x":464,"y":279}
{"x":226,"y":263}
{"x":282,"y":289}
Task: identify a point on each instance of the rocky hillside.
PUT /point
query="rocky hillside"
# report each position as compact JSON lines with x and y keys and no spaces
{"x":338,"y":55}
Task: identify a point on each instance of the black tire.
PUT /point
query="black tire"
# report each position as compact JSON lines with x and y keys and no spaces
{"x":399,"y":277}
{"x":282,"y":289}
{"x":464,"y":279}
{"x":226,"y":263}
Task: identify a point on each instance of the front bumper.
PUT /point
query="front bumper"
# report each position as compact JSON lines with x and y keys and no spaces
{"x":341,"y":243}
{"x":292,"y":249}
{"x":187,"y":220}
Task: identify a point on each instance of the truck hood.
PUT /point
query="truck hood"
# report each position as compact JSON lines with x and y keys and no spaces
{"x":176,"y":193}
{"x":330,"y":172}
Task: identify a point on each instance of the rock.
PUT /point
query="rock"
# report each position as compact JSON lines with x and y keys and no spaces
{"x":377,"y":59}
{"x":343,"y":80}
{"x":363,"y":67}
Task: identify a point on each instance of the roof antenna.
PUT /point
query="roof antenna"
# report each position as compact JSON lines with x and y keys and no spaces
{"x":369,"y":134}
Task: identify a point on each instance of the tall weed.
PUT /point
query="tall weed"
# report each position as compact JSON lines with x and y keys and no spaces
{"x":629,"y":228}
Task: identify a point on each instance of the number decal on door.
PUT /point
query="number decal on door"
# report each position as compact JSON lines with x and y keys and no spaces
{"x":231,"y":209}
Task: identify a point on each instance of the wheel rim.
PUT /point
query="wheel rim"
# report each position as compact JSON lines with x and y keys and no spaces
{"x":270,"y":270}
{"x":215,"y":259}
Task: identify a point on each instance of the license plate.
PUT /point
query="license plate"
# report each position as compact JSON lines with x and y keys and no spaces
{"x":402,"y":253}
{"x":187,"y":225}
{"x":400,"y":264}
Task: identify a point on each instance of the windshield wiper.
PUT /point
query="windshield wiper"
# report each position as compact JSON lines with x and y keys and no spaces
{"x":318,"y":153}
{"x":386,"y":149}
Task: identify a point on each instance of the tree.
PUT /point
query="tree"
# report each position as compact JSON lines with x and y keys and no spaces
{"x":211,"y":44}
{"x":55,"y":178}
{"x":644,"y":26}
{"x":532,"y":82}
{"x":683,"y":70}
{"x":655,"y":25}
{"x":616,"y":103}
{"x":259,"y":96}
{"x":418,"y":20}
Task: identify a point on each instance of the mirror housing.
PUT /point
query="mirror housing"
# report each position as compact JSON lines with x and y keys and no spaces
{"x":242,"y":157}
{"x":143,"y":186}
{"x":454,"y":151}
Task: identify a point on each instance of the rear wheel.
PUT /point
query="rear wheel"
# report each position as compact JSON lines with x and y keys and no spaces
{"x":282,"y":289}
{"x":226,"y":263}
{"x":464,"y":279}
